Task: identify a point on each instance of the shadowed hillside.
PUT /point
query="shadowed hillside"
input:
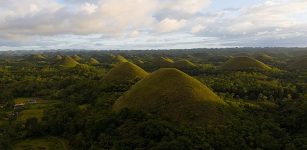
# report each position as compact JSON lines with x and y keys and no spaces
{"x":174,"y":94}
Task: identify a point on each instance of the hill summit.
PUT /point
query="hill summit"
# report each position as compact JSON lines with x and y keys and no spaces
{"x":67,"y":62}
{"x":94,"y":61}
{"x":184,"y":64}
{"x":76,"y":58}
{"x":120,"y":59}
{"x":125,"y":71}
{"x":37,"y":57}
{"x":171,"y":93}
{"x":245,"y":63}
{"x":58,"y":57}
{"x":163,"y":62}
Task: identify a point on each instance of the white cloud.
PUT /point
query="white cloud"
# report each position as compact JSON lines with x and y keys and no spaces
{"x":187,"y":6}
{"x":170,"y":25}
{"x":89,"y":8}
{"x":26,"y":20}
{"x":197,"y":28}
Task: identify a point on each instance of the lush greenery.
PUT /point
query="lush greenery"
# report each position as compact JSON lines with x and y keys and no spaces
{"x":266,"y":109}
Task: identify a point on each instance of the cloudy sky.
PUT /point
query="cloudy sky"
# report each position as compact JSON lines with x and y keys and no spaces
{"x":151,"y":24}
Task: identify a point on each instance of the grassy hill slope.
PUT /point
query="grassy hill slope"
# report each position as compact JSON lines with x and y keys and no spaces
{"x":67,"y":62}
{"x":173,"y":94}
{"x":244,"y":63}
{"x":125,"y":71}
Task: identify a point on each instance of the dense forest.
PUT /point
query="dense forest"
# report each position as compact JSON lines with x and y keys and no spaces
{"x":238,"y":98}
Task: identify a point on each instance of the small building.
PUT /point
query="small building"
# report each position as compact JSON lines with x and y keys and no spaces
{"x":19,"y":106}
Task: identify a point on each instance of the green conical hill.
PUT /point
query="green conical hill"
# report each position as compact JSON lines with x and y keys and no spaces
{"x":264,"y":58}
{"x":244,"y":63}
{"x":120,"y":59}
{"x":124,"y":72}
{"x":76,"y":58}
{"x":67,"y":62}
{"x":94,"y":61}
{"x":163,"y":62}
{"x":58,"y":57}
{"x":184,"y":64}
{"x":39,"y":57}
{"x":171,"y":93}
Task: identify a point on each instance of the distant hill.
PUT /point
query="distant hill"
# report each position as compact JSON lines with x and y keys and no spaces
{"x":299,"y":64}
{"x":67,"y":62}
{"x":58,"y":57}
{"x":264,"y":58}
{"x":120,"y":59}
{"x":125,"y":71}
{"x":37,"y":57}
{"x":163,"y":62}
{"x":244,"y":63}
{"x":184,"y":64}
{"x":173,"y":94}
{"x":93,"y":61}
{"x":76,"y":58}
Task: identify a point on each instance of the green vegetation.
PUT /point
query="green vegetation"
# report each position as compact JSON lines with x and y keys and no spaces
{"x":179,"y":97}
{"x":299,"y":64}
{"x":244,"y":63}
{"x":125,"y":72}
{"x":31,"y":113}
{"x":46,"y":143}
{"x":250,"y":108}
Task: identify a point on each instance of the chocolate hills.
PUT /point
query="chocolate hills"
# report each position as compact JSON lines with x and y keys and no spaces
{"x":120,"y":59}
{"x":93,"y":61}
{"x":245,"y":63}
{"x":184,"y":64}
{"x":67,"y":62}
{"x":264,"y":57}
{"x":125,"y":71}
{"x":299,"y":64}
{"x":58,"y":57}
{"x":173,"y":94}
{"x":76,"y":57}
{"x":36,"y":57}
{"x":163,"y":62}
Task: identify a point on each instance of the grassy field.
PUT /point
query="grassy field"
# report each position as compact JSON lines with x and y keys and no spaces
{"x":44,"y":143}
{"x":33,"y":110}
{"x":31,"y":113}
